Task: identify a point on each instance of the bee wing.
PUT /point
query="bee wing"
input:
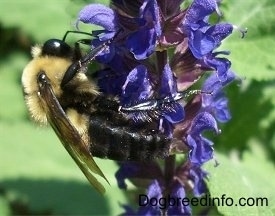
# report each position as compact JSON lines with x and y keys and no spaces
{"x":69,"y":136}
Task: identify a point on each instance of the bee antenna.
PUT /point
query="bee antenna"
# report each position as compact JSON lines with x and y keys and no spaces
{"x":76,"y":32}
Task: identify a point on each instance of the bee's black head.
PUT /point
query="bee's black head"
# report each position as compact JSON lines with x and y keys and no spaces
{"x":56,"y":47}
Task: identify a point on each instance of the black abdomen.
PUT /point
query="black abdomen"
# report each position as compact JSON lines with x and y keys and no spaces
{"x":114,"y":138}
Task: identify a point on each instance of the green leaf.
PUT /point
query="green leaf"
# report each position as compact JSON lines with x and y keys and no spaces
{"x":252,"y":57}
{"x":250,"y":177}
{"x":35,"y":165}
{"x":42,"y":20}
{"x":4,"y":206}
{"x":252,"y":108}
{"x":11,"y":94}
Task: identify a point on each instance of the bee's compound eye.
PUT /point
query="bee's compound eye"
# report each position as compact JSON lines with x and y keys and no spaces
{"x":56,"y":47}
{"x":41,"y":78}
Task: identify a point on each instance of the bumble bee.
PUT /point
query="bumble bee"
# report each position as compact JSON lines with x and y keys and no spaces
{"x":65,"y":107}
{"x":88,"y":122}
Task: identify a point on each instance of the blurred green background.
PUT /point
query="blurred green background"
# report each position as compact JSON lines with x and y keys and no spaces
{"x":37,"y":176}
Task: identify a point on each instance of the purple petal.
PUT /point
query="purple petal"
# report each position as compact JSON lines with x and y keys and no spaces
{"x":201,"y":149}
{"x":199,"y":9}
{"x":198,"y":175}
{"x":219,"y":32}
{"x":150,"y":12}
{"x":154,"y":191}
{"x":200,"y":44}
{"x":146,"y":207}
{"x":214,"y":85}
{"x":99,"y":14}
{"x":126,"y":170}
{"x":137,"y":86}
{"x":221,"y":65}
{"x":139,"y":170}
{"x":203,"y":121}
{"x":175,"y":115}
{"x":216,"y":102}
{"x":168,"y":82}
{"x":110,"y":80}
{"x":178,"y":209}
{"x":142,"y":43}
{"x":222,"y":112}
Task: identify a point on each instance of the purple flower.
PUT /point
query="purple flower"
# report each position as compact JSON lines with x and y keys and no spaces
{"x":156,"y":49}
{"x":137,"y":86}
{"x":216,"y":102}
{"x":198,"y":175}
{"x":142,"y":41}
{"x":126,"y":170}
{"x":159,"y":203}
{"x":148,"y":208}
{"x":204,"y":38}
{"x":101,"y":15}
{"x":168,"y":82}
{"x":171,"y":114}
{"x":154,"y":191}
{"x":220,"y":65}
{"x":177,"y":193}
{"x":204,"y":41}
{"x":131,"y":169}
{"x":201,"y":149}
{"x":198,"y":11}
{"x":196,"y":19}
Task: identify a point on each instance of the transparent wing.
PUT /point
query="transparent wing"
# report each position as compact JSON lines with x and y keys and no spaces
{"x":69,"y":136}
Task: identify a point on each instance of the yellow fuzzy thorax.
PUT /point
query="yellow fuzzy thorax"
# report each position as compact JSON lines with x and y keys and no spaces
{"x":55,"y":68}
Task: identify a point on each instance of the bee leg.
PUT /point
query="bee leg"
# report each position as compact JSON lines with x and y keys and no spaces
{"x":73,"y":69}
{"x":155,"y":104}
{"x":77,"y":53}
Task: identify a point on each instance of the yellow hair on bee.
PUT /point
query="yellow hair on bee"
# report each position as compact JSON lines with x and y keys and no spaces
{"x":82,"y":85}
{"x":55,"y":68}
{"x":68,"y":106}
{"x":36,"y":51}
{"x":80,"y":122}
